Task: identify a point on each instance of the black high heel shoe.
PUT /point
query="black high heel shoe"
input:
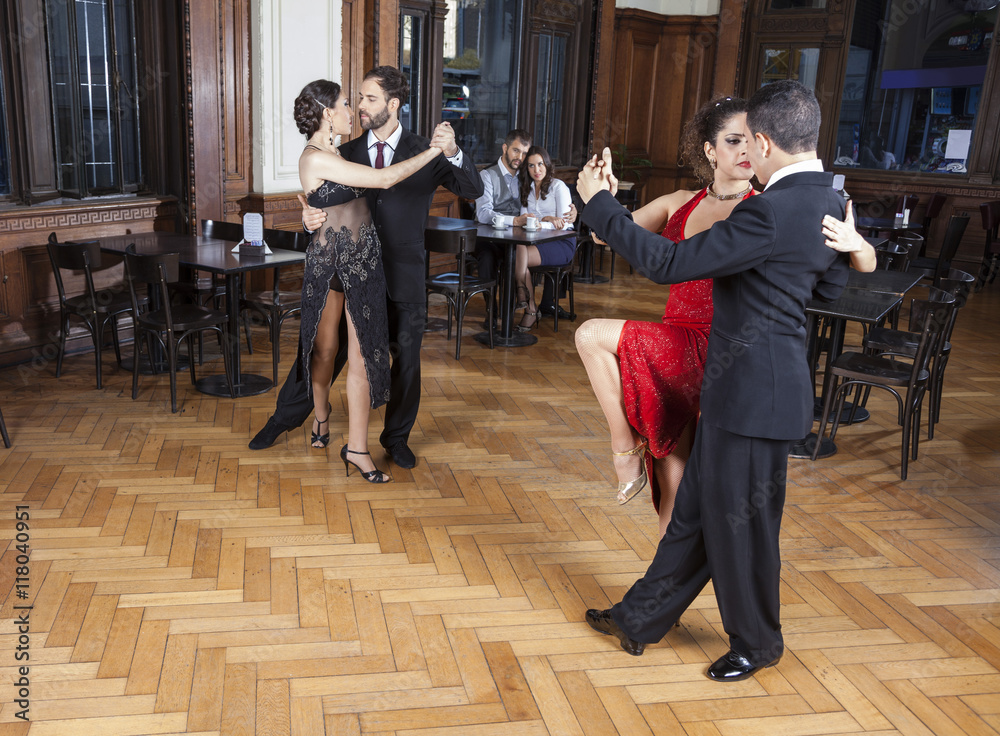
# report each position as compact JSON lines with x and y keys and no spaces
{"x":529,"y":326}
{"x":372,"y":476}
{"x":322,"y":439}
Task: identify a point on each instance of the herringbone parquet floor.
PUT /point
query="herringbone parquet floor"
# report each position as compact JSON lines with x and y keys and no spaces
{"x":181,"y":583}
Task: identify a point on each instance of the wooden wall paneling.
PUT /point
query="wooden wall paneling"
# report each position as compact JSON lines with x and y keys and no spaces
{"x":601,"y":93}
{"x":236,"y":102}
{"x":32,"y":144}
{"x":984,"y":163}
{"x":732,"y":17}
{"x":382,"y":25}
{"x":663,"y":72}
{"x":355,"y":49}
{"x":205,"y":84}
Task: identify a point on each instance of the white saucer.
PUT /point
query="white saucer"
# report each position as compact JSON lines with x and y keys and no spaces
{"x":499,"y":227}
{"x":531,"y":229}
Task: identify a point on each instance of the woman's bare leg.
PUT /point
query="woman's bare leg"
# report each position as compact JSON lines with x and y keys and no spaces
{"x":597,"y":343}
{"x":531,"y":258}
{"x":321,"y":366}
{"x":669,"y":471}
{"x":358,"y":401}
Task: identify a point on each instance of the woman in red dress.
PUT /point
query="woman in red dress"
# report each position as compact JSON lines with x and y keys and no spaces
{"x":647,"y":375}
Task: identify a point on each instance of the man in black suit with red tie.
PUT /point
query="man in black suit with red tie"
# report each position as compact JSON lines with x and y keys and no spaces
{"x":768,"y":259}
{"x":400,"y":215}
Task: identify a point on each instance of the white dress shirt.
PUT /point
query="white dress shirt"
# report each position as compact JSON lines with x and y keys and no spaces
{"x":556,"y":204}
{"x":813,"y":164}
{"x":391,"y":143}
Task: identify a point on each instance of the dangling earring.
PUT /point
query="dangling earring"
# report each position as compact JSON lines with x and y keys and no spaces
{"x":331,"y":134}
{"x":711,"y":162}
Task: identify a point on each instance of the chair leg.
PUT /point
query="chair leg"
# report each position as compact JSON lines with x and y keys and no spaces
{"x":97,"y":332}
{"x":62,"y":343}
{"x":827,"y":401}
{"x":489,"y":317}
{"x":459,"y":317}
{"x":172,"y":367}
{"x":3,"y":431}
{"x":246,"y":329}
{"x":137,"y":338}
{"x":275,"y":343}
{"x":223,"y":342}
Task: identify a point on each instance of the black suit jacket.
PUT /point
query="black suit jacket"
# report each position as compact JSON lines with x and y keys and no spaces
{"x":400,"y":212}
{"x":768,"y":259}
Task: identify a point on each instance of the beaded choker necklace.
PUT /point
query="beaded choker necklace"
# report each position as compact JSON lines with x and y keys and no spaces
{"x":711,"y":192}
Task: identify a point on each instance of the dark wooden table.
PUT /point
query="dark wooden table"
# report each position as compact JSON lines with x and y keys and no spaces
{"x":509,"y":238}
{"x":213,"y":256}
{"x":875,"y":225}
{"x":867,"y":298}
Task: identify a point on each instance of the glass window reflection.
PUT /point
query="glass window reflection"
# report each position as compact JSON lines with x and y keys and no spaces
{"x":478,"y":86}
{"x":912,"y":87}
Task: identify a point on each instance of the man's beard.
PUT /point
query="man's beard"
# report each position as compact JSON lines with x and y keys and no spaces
{"x":376,"y":121}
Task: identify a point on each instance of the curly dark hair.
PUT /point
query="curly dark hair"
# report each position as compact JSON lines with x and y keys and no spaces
{"x":525,"y":177}
{"x":706,"y":125}
{"x":312,"y":100}
{"x":392,"y":81}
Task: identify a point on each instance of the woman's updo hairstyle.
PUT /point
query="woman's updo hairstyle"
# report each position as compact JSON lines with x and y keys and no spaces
{"x":312,"y":100}
{"x":706,"y":125}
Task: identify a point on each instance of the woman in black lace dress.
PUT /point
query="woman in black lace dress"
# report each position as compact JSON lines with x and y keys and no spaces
{"x":344,"y":267}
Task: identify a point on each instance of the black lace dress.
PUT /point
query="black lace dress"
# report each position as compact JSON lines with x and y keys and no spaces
{"x":345,"y":255}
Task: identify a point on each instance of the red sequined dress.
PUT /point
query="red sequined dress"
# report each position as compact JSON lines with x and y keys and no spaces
{"x":662,"y":363}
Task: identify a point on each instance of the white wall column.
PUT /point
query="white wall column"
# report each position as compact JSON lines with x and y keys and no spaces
{"x":293,"y":42}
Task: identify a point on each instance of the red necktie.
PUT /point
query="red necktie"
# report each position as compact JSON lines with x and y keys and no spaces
{"x":379,"y":161}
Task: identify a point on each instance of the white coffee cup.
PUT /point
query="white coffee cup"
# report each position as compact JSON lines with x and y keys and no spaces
{"x":531,"y":223}
{"x":498,"y":220}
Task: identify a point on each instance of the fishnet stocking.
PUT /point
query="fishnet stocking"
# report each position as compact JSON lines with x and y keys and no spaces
{"x":597,"y":343}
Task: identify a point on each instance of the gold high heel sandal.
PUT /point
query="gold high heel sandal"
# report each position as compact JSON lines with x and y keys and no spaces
{"x":627,"y":491}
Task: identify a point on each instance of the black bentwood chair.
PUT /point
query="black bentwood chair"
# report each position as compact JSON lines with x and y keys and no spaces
{"x":3,"y":431}
{"x":558,"y":275}
{"x":457,"y":286}
{"x":907,"y":383}
{"x":936,"y":268}
{"x":169,"y":324}
{"x":275,"y":305}
{"x":95,"y":307}
{"x":990,"y":212}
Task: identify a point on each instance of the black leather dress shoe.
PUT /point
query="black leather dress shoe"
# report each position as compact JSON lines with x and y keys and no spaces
{"x":401,"y":454}
{"x":548,"y":311}
{"x":268,"y":435}
{"x":733,"y":667}
{"x":602,"y":621}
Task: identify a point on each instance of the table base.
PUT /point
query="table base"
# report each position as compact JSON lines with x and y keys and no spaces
{"x":517,"y":340}
{"x":249,"y":384}
{"x":803,"y":449}
{"x":862,"y":414}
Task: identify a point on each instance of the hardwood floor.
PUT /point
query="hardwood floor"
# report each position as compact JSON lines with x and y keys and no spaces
{"x":181,"y":583}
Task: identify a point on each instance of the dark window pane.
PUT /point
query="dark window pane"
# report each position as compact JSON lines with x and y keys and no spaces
{"x":479,"y":88}
{"x":411,"y":40}
{"x":92,"y":63}
{"x":913,"y":85}
{"x":549,"y":92}
{"x":800,"y":64}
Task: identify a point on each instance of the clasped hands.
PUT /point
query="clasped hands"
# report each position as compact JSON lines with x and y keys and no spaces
{"x":444,"y":138}
{"x":596,"y":176}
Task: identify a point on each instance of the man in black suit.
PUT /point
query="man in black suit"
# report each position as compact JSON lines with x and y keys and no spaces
{"x":768,"y":259}
{"x":400,"y":215}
